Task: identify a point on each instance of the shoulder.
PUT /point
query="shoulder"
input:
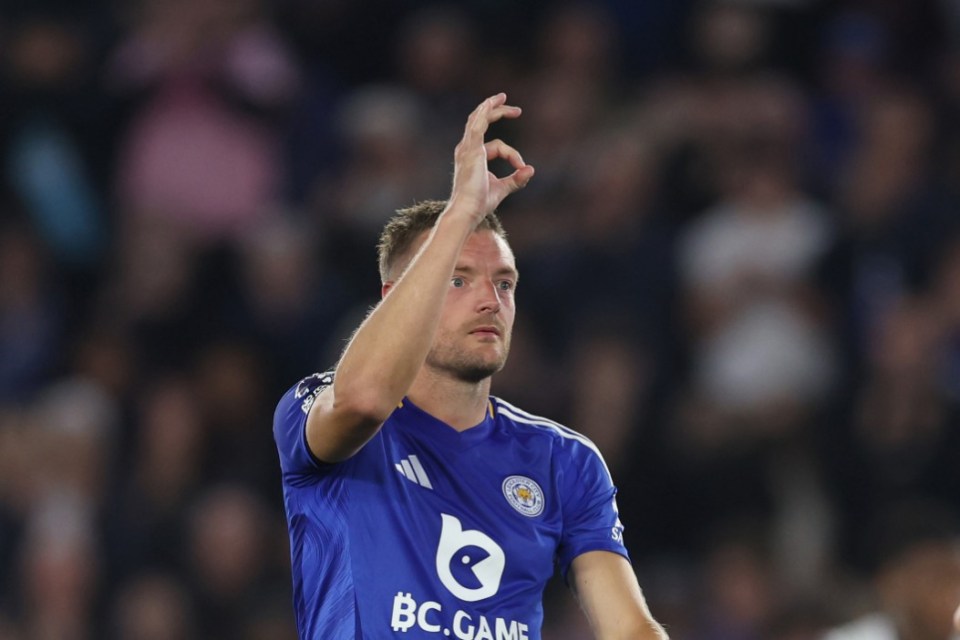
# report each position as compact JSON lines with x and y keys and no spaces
{"x":561,"y":437}
{"x":307,"y":389}
{"x":290,"y":419}
{"x":578,"y":477}
{"x":295,"y":403}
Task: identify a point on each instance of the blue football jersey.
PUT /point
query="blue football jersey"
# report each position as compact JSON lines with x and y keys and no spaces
{"x":429,"y":532}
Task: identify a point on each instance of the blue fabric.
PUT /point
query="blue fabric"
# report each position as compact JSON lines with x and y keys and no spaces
{"x":429,"y":532}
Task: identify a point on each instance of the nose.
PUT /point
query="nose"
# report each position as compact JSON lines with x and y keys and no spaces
{"x":489,"y":298}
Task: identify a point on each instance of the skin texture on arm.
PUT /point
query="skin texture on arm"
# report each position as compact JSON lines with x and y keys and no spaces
{"x":387,"y":352}
{"x":611,"y":598}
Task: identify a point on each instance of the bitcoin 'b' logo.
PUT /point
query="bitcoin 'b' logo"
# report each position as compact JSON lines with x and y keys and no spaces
{"x":469,"y":563}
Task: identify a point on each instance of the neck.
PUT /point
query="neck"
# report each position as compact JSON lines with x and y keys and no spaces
{"x":460,"y":404}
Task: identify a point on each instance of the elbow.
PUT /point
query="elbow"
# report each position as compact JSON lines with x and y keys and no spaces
{"x":653,"y":631}
{"x":338,"y":427}
{"x":647,"y":629}
{"x":362,"y":407}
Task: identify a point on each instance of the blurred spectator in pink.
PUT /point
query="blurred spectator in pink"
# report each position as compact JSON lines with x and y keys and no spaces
{"x":202,"y":151}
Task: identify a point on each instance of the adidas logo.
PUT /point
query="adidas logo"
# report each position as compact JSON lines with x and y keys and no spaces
{"x":413,"y":471}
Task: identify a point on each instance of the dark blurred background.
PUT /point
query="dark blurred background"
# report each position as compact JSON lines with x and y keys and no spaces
{"x":740,"y":264}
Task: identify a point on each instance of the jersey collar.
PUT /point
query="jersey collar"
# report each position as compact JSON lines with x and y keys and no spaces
{"x":427,"y":425}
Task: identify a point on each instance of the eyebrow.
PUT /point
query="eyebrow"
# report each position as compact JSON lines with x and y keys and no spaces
{"x":502,"y":271}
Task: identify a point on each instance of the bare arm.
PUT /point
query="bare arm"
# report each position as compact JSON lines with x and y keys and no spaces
{"x":387,"y":351}
{"x":610,"y":597}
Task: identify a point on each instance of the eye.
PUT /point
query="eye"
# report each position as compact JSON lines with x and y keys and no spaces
{"x":457,"y":282}
{"x":506,"y":285}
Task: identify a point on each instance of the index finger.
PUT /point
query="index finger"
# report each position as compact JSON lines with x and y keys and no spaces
{"x":487,"y":112}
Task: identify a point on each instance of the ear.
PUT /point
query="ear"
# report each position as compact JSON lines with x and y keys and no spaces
{"x":385,"y":288}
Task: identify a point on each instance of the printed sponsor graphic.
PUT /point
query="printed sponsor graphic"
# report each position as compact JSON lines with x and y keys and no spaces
{"x":524,"y":495}
{"x":321,"y":380}
{"x":617,"y":533}
{"x":617,"y":530}
{"x":469,"y":563}
{"x":413,"y":471}
{"x":430,"y":617}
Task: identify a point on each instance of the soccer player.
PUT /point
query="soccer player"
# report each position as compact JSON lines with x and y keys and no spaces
{"x":418,"y":505}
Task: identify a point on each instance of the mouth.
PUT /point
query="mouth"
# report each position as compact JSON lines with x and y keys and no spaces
{"x":485,"y":331}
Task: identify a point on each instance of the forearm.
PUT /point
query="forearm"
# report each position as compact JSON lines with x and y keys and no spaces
{"x":648,"y":632}
{"x":385,"y":354}
{"x":633,"y":625}
{"x":613,"y":602}
{"x":650,"y":629}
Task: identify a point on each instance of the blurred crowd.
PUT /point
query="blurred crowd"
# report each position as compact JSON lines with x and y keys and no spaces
{"x":740,"y":263}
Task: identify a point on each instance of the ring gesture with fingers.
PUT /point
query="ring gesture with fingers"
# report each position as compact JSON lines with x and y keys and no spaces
{"x":475,"y":187}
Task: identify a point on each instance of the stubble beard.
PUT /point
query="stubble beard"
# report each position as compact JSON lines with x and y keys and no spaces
{"x":464,"y":365}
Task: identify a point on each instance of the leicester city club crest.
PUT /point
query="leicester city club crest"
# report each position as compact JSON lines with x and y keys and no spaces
{"x":524,"y":495}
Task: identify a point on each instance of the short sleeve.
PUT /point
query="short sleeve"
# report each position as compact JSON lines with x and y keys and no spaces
{"x":290,"y":422}
{"x":591,"y":521}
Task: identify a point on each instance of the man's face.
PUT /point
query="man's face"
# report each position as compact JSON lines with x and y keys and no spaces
{"x":473,"y":338}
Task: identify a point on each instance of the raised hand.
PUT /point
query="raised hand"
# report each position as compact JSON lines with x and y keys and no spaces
{"x":475,"y":188}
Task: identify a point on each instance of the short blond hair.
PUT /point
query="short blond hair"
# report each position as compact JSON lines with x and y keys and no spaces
{"x":402,"y":230}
